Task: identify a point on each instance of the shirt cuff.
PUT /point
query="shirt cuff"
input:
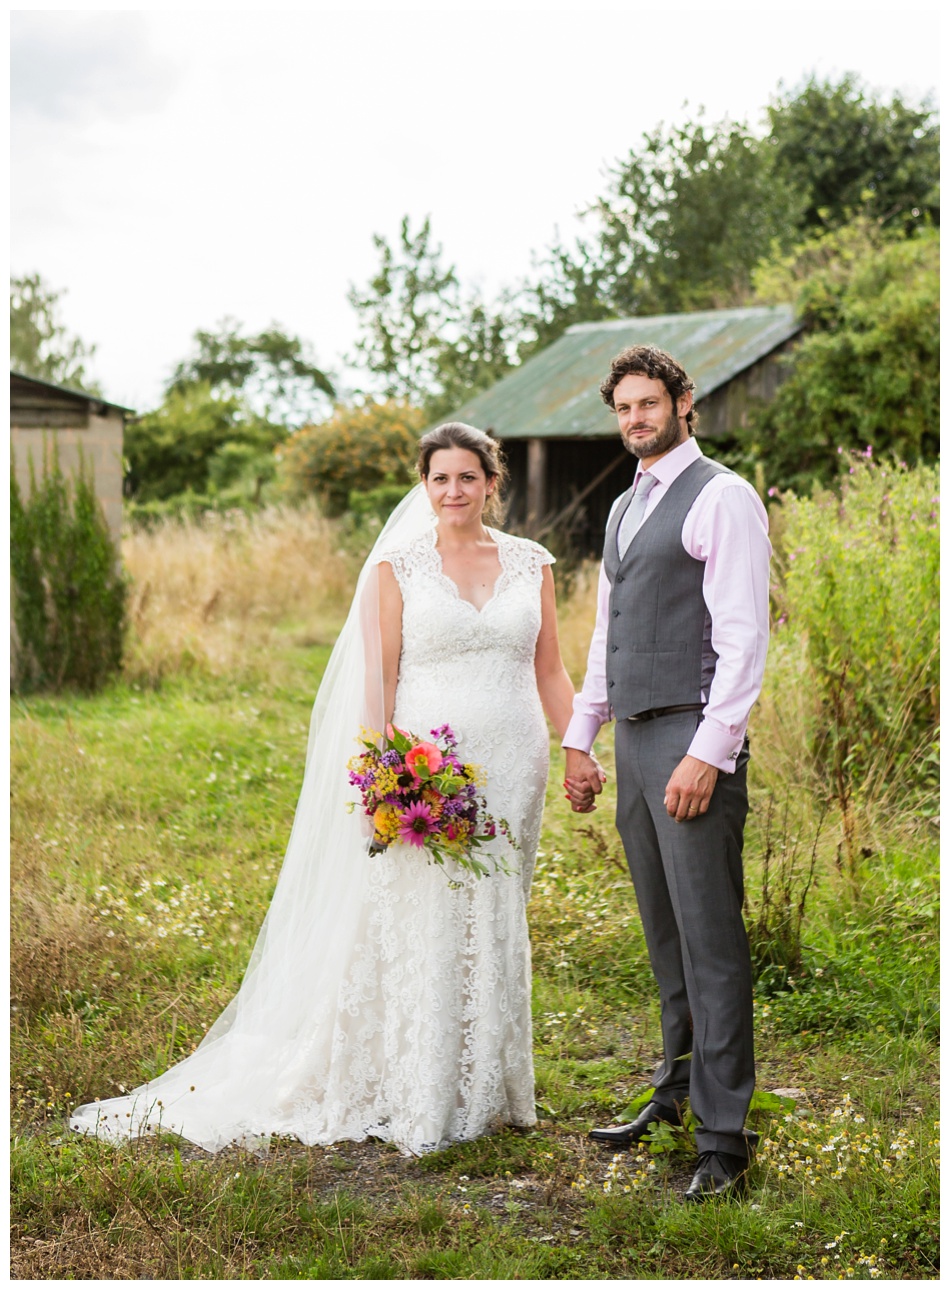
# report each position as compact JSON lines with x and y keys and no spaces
{"x":716,"y":747}
{"x":581,"y":732}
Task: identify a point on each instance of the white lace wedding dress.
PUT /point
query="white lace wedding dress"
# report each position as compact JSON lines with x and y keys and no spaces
{"x":396,"y":1006}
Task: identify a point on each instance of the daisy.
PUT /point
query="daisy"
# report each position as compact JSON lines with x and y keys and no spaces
{"x":416,"y":823}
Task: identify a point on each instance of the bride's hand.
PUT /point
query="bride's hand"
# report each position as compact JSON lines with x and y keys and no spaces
{"x":584,"y":779}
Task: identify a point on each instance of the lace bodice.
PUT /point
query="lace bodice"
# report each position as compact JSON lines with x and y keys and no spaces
{"x":438,"y":623}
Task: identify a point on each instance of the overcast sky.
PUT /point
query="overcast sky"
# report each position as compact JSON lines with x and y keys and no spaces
{"x":172,"y":168}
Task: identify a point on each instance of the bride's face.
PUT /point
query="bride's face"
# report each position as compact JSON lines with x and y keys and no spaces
{"x":457,"y":486}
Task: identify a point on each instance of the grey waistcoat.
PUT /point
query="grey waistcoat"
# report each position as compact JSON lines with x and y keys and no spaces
{"x":658,"y":619}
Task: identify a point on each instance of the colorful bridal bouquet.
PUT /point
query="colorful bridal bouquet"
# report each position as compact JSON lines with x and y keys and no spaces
{"x":421,"y":793}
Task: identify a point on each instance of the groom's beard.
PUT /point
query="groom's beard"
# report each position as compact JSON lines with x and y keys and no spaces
{"x":664,"y":439}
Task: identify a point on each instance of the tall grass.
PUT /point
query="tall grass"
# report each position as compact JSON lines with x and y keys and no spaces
{"x":207,"y":594}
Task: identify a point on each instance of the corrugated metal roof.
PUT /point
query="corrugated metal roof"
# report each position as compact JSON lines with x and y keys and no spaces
{"x":556,"y":393}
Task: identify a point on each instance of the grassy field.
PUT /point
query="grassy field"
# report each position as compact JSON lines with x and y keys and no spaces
{"x":149,"y":824}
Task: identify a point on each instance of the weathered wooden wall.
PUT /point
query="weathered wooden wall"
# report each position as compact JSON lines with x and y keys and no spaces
{"x":80,"y":428}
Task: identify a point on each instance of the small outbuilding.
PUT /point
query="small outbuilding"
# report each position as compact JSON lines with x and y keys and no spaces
{"x":564,"y":453}
{"x":80,"y":425}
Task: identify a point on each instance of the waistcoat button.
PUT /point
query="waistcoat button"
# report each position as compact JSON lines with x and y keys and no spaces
{"x":614,"y":648}
{"x":610,"y":685}
{"x":616,"y":613}
{"x":619,"y":578}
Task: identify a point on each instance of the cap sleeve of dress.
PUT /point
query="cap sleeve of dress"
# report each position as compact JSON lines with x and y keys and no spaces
{"x":524,"y":555}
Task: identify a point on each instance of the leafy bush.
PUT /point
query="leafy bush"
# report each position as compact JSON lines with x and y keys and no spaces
{"x":187,"y":507}
{"x":376,"y":504}
{"x":193,"y":441}
{"x":69,"y":594}
{"x":868,"y":368}
{"x":356,"y":451}
{"x":859,"y":578}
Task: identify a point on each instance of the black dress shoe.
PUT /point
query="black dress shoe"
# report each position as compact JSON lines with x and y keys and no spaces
{"x":625,"y":1135}
{"x":719,"y":1174}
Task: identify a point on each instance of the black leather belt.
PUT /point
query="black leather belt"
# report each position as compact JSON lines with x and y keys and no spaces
{"x":667,"y":712}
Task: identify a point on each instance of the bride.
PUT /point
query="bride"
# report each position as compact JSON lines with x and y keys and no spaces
{"x":383,"y":999}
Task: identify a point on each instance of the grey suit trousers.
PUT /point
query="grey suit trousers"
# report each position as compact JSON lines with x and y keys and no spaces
{"x":688,"y":882}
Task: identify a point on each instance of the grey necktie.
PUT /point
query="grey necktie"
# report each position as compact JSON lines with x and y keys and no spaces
{"x":635,"y":512}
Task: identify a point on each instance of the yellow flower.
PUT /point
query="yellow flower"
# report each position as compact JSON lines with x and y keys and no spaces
{"x":386,"y":781}
{"x":386,"y":822}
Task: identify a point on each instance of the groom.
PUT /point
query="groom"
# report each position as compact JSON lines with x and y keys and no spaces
{"x":676,"y":659}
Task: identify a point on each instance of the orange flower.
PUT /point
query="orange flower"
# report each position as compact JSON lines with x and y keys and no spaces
{"x":423,"y":755}
{"x":433,"y":800}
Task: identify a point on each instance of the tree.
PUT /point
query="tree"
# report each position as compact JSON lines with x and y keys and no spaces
{"x":483,"y":350}
{"x":421,"y":339}
{"x":846,"y":151}
{"x":866,"y":374}
{"x":687,"y":217}
{"x":405,"y":313}
{"x":692,"y":209}
{"x":273,"y":371}
{"x":570,"y":285}
{"x":172,"y":450}
{"x":40,"y":345}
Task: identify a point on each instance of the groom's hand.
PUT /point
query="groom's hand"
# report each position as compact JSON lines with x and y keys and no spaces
{"x":584,"y":778}
{"x":690,"y":789}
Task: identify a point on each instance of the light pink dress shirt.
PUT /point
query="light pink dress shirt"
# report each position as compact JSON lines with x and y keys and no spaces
{"x":727,"y":528}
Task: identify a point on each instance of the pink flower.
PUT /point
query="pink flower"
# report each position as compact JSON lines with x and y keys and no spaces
{"x":416,"y":823}
{"x":423,"y":755}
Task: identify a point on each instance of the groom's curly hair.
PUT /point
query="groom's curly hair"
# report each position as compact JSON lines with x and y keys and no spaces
{"x":456,"y":434}
{"x":658,"y":365}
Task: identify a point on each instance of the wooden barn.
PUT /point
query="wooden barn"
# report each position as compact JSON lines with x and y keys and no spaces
{"x":564,"y":451}
{"x":79,"y":424}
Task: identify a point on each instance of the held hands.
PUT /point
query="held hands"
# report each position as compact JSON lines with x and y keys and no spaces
{"x":584,"y":778}
{"x":690,"y":789}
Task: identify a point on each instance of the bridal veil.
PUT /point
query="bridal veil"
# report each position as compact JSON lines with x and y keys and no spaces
{"x":239,"y":1084}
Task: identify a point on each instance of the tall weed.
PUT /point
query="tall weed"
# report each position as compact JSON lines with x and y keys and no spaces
{"x":858,"y":587}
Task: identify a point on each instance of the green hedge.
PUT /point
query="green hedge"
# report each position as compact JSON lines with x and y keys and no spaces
{"x":68,"y":590}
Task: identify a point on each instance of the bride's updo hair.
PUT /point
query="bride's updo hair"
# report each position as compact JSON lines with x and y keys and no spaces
{"x":456,"y":434}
